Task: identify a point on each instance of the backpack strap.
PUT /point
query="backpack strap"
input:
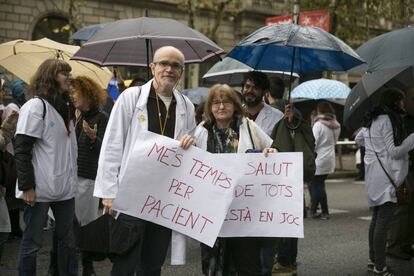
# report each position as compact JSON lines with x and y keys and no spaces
{"x":250,"y":133}
{"x":379,"y":161}
{"x":44,"y":107}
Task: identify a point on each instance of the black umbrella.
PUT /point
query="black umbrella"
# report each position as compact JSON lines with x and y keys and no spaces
{"x":368,"y":91}
{"x":390,"y":50}
{"x":131,"y":42}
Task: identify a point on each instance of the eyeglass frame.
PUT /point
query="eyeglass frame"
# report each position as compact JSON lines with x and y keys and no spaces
{"x":218,"y":103}
{"x":174,"y":65}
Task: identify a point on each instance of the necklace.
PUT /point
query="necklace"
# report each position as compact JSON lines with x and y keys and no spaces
{"x":162,"y":125}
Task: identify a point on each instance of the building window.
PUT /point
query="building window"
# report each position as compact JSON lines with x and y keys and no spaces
{"x":53,"y":27}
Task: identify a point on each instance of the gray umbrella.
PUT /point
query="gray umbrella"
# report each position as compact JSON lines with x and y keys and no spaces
{"x":131,"y":42}
{"x":367,"y":92}
{"x":231,"y":72}
{"x":389,"y":50}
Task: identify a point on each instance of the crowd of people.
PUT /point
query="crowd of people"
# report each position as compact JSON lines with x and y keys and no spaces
{"x":71,"y":157}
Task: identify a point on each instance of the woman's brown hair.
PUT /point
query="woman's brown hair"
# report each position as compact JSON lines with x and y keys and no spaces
{"x":43,"y":82}
{"x":89,"y":90}
{"x":325,"y":107}
{"x":222,"y":91}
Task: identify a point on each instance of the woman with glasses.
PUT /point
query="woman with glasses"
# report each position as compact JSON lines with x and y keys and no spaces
{"x":226,"y":130}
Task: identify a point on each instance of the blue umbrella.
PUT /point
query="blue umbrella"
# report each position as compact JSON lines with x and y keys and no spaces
{"x":294,"y":48}
{"x":312,"y":49}
{"x":85,"y":33}
{"x":321,"y":89}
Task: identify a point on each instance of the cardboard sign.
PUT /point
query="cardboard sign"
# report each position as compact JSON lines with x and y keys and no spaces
{"x":188,"y":191}
{"x":268,"y":196}
{"x":204,"y":195}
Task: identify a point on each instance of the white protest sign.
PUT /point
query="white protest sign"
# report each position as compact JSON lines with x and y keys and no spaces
{"x":268,"y":196}
{"x":188,"y":191}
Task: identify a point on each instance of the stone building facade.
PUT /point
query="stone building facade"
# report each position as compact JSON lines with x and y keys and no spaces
{"x":19,"y":18}
{"x":33,"y":19}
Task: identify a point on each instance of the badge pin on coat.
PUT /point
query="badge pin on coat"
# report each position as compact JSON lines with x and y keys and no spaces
{"x":141,"y":118}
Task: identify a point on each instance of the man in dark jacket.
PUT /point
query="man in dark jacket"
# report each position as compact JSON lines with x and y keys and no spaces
{"x":409,"y":124}
{"x":401,"y":234}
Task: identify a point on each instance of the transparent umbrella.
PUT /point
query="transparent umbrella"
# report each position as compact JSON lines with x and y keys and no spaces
{"x":231,"y":71}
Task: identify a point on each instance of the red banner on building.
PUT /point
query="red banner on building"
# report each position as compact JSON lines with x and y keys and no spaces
{"x":319,"y":19}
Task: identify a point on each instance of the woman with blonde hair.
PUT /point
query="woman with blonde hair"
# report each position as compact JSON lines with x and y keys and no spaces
{"x":90,"y":125}
{"x":226,"y":130}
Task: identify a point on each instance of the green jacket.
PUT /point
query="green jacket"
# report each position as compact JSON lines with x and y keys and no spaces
{"x":300,"y":139}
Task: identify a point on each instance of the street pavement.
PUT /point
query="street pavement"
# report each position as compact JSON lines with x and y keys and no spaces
{"x":338,"y":246}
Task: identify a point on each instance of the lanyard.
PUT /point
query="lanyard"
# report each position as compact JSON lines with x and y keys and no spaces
{"x":162,"y":125}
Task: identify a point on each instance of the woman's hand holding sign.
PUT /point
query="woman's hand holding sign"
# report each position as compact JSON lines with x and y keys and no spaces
{"x":266,"y":151}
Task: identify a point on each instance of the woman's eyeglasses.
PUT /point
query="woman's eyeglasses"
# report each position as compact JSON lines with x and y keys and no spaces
{"x":218,"y":103}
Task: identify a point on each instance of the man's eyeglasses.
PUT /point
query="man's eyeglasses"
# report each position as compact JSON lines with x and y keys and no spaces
{"x":218,"y":103}
{"x":173,"y":65}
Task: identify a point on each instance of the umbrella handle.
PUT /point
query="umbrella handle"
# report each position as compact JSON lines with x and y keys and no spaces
{"x":291,"y":73}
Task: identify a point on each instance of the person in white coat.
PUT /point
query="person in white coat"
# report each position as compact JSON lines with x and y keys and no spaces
{"x":386,"y":152}
{"x":45,"y":151}
{"x":326,"y":131}
{"x":226,"y":130}
{"x":254,"y":87}
{"x":158,"y":107}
